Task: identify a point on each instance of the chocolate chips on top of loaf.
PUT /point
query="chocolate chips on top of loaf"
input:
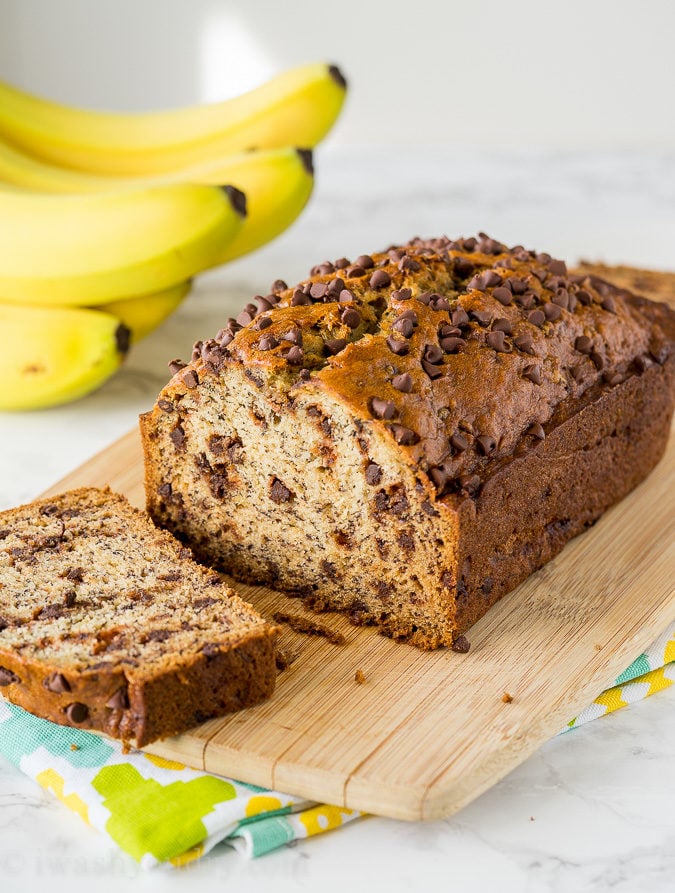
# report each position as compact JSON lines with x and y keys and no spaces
{"x":410,"y":337}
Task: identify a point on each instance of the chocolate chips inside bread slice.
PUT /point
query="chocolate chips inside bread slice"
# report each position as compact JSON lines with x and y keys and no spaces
{"x":107,"y":623}
{"x":407,"y":436}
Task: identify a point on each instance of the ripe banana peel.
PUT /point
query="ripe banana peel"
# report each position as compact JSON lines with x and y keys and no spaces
{"x":298,"y":107}
{"x":145,"y":313}
{"x":277,"y":184}
{"x":90,"y":249}
{"x":51,"y":355}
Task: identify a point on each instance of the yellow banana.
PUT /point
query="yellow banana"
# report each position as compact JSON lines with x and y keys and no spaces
{"x":298,"y":107}
{"x":90,"y":249}
{"x":145,"y":313}
{"x":51,"y":355}
{"x":277,"y":183}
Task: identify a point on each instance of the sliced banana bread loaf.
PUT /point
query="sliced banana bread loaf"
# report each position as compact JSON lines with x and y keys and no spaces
{"x":408,"y":435}
{"x":107,"y":623}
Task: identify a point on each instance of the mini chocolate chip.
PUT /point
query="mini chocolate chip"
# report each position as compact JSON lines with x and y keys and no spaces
{"x":263,"y":323}
{"x":608,"y":304}
{"x":460,"y":317}
{"x":165,"y":490}
{"x":482,"y":317}
{"x":299,"y":299}
{"x":318,"y":290}
{"x":373,"y":474}
{"x":438,"y":302}
{"x":583,"y":297}
{"x":533,"y":373}
{"x":382,"y":409}
{"x":552,"y":312}
{"x":461,"y":645}
{"x":400,"y":348}
{"x":355,"y":272}
{"x":440,"y":478}
{"x":177,"y":437}
{"x":77,"y":712}
{"x":57,"y":683}
{"x":403,"y":327}
{"x":408,"y":263}
{"x":486,"y":444}
{"x":294,"y":355}
{"x":346,"y":296}
{"x":294,"y":336}
{"x":432,"y":370}
{"x":403,"y":435}
{"x":577,"y":373}
{"x":433,"y":354}
{"x":598,"y":361}
{"x":176,"y":365}
{"x":524,"y":343}
{"x":119,"y":700}
{"x":558,"y":267}
{"x":335,"y":345}
{"x":365,"y":261}
{"x":517,"y":286}
{"x":404,"y":294}
{"x":263,"y":304}
{"x":403,"y":382}
{"x":279,"y":492}
{"x":535,"y":430}
{"x":536,"y":317}
{"x":7,"y":677}
{"x":452,"y":344}
{"x":245,"y":317}
{"x":165,"y":405}
{"x":544,"y":258}
{"x":335,"y":286}
{"x":486,"y":279}
{"x":267,"y":342}
{"x":583,"y":344}
{"x":496,"y":341}
{"x":190,"y":379}
{"x":380,"y":279}
{"x":458,"y":442}
{"x":561,"y":298}
{"x":278,"y":286}
{"x":526,"y":301}
{"x":341,"y":263}
{"x":503,"y":295}
{"x":350,"y":317}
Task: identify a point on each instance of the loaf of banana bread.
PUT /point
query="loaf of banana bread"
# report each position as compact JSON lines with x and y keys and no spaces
{"x":106,"y":623}
{"x":407,"y":436}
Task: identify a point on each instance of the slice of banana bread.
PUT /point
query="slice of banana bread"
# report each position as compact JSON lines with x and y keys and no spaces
{"x":407,"y":436}
{"x":107,"y":623}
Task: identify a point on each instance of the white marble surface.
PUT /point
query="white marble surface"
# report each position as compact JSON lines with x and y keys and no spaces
{"x":593,"y":809}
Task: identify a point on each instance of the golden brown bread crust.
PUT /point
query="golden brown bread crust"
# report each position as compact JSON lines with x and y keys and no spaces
{"x":463,"y":364}
{"x":57,"y":663}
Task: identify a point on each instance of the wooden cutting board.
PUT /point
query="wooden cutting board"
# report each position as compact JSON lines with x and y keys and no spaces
{"x":426,"y":733}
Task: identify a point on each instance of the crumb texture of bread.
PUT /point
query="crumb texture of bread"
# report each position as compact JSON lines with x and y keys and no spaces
{"x":107,"y":623}
{"x":407,"y":436}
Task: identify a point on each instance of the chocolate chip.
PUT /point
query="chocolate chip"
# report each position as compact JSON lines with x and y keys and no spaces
{"x":299,"y":299}
{"x":77,"y":712}
{"x":197,"y":350}
{"x":517,"y":286}
{"x":458,"y":442}
{"x":462,"y":267}
{"x":350,"y":317}
{"x":452,"y":344}
{"x":496,"y":341}
{"x":526,"y":301}
{"x":341,"y":263}
{"x":536,"y":317}
{"x":440,"y":478}
{"x":278,"y":286}
{"x":583,"y":344}
{"x":561,"y":298}
{"x":263,"y":323}
{"x":544,"y":258}
{"x":461,"y":645}
{"x":165,"y":490}
{"x":400,"y":348}
{"x":365,"y":261}
{"x":119,"y":700}
{"x":460,"y":317}
{"x":409,"y":264}
{"x":335,"y":345}
{"x":355,"y":272}
{"x":482,"y":317}
{"x":503,"y":295}
{"x":7,"y":677}
{"x":177,"y":437}
{"x":382,"y":409}
{"x":404,"y":294}
{"x":584,"y":297}
{"x":614,"y":378}
{"x":486,"y":444}
{"x":165,"y":405}
{"x":533,"y":373}
{"x":486,"y":279}
{"x":57,"y":683}
{"x":608,"y":304}
{"x":403,"y":382}
{"x":190,"y":379}
{"x":318,"y":290}
{"x":75,"y":574}
{"x":176,"y":365}
{"x":380,"y":279}
{"x":535,"y":430}
{"x":403,"y":327}
{"x":524,"y":343}
{"x":552,"y":312}
{"x":557,"y":267}
{"x":294,"y":355}
{"x":598,"y":361}
{"x":246,"y":317}
{"x":433,"y":354}
{"x":403,"y":435}
{"x":279,"y":492}
{"x":432,"y":370}
{"x":577,"y":373}
{"x":373,"y":474}
{"x":438,"y":302}
{"x":346,"y":296}
{"x":267,"y":342}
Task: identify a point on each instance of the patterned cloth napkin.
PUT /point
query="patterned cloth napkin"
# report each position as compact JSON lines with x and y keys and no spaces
{"x":161,"y":812}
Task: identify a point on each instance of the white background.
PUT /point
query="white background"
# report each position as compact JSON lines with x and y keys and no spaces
{"x":580,"y":73}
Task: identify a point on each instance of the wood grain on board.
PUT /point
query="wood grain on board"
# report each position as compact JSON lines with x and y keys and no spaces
{"x":425,"y":733}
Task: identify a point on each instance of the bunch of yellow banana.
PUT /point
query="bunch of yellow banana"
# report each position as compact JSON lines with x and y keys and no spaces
{"x":105,"y":218}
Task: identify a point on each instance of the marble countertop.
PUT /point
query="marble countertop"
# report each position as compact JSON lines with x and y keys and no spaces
{"x":591,"y":810}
